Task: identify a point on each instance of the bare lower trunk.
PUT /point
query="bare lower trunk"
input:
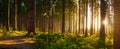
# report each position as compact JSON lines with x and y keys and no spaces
{"x":117,"y":24}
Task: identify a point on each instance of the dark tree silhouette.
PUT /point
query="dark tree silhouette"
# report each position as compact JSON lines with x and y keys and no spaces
{"x":31,"y":17}
{"x":63,"y":16}
{"x":103,"y":7}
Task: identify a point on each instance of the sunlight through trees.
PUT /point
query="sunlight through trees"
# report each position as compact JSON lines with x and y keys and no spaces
{"x":70,"y":17}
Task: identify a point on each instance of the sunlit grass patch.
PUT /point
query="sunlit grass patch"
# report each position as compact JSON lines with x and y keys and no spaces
{"x":17,"y":33}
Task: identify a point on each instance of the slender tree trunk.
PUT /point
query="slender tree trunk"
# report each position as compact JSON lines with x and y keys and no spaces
{"x":35,"y":15}
{"x":86,"y":32}
{"x":117,"y":24}
{"x":91,"y":29}
{"x":44,"y":19}
{"x":69,"y":30}
{"x":94,"y":19}
{"x":63,"y":16}
{"x":76,"y":19}
{"x":49,"y":16}
{"x":15,"y":14}
{"x":8,"y":20}
{"x":83,"y":17}
{"x":79,"y":16}
{"x":41,"y":17}
{"x":73,"y":17}
{"x":52,"y":16}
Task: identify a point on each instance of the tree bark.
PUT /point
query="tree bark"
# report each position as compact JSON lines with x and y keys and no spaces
{"x":103,"y":7}
{"x":15,"y":14}
{"x":116,"y":24}
{"x":8,"y":20}
{"x":79,"y":24}
{"x":91,"y":28}
{"x":63,"y":16}
{"x":86,"y":13}
{"x":31,"y":17}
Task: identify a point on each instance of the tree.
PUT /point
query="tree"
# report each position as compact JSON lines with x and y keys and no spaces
{"x":79,"y":16}
{"x":4,"y":13}
{"x":86,"y":13}
{"x":8,"y":19}
{"x":70,"y":21}
{"x":34,"y":16}
{"x":91,"y":29}
{"x":103,"y":7}
{"x":51,"y":16}
{"x":63,"y":16}
{"x":31,"y":13}
{"x":116,"y":24}
{"x":15,"y":14}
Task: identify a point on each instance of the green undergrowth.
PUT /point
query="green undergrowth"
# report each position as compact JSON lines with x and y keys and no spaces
{"x":60,"y":41}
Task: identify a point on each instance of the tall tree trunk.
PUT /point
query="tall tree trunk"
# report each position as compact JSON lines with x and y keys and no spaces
{"x":94,"y":16}
{"x":8,"y":20}
{"x":117,"y":24}
{"x":35,"y":15}
{"x":49,"y":16}
{"x":31,"y":17}
{"x":91,"y":29}
{"x":63,"y":16}
{"x":76,"y":18}
{"x":41,"y":17}
{"x":70,"y":24}
{"x":52,"y":16}
{"x":83,"y":10}
{"x":86,"y":13}
{"x":15,"y":14}
{"x":103,"y":8}
{"x":79,"y":16}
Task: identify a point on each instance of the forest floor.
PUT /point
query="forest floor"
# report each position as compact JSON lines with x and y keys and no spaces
{"x":17,"y":42}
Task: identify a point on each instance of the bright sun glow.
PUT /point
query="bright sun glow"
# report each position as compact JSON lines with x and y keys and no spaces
{"x":105,"y":22}
{"x":96,"y":18}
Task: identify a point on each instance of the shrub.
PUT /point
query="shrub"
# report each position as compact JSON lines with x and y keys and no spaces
{"x":60,"y":41}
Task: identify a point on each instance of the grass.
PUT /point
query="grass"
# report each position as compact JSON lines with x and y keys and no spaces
{"x":60,"y":41}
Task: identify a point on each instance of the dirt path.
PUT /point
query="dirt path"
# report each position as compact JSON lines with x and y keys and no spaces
{"x":18,"y":42}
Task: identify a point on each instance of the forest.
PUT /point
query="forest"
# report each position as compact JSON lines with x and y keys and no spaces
{"x":60,"y":24}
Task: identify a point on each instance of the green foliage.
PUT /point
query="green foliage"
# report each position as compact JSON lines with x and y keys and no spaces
{"x":3,"y":31}
{"x":11,"y":32}
{"x":109,"y":41}
{"x":60,"y":41}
